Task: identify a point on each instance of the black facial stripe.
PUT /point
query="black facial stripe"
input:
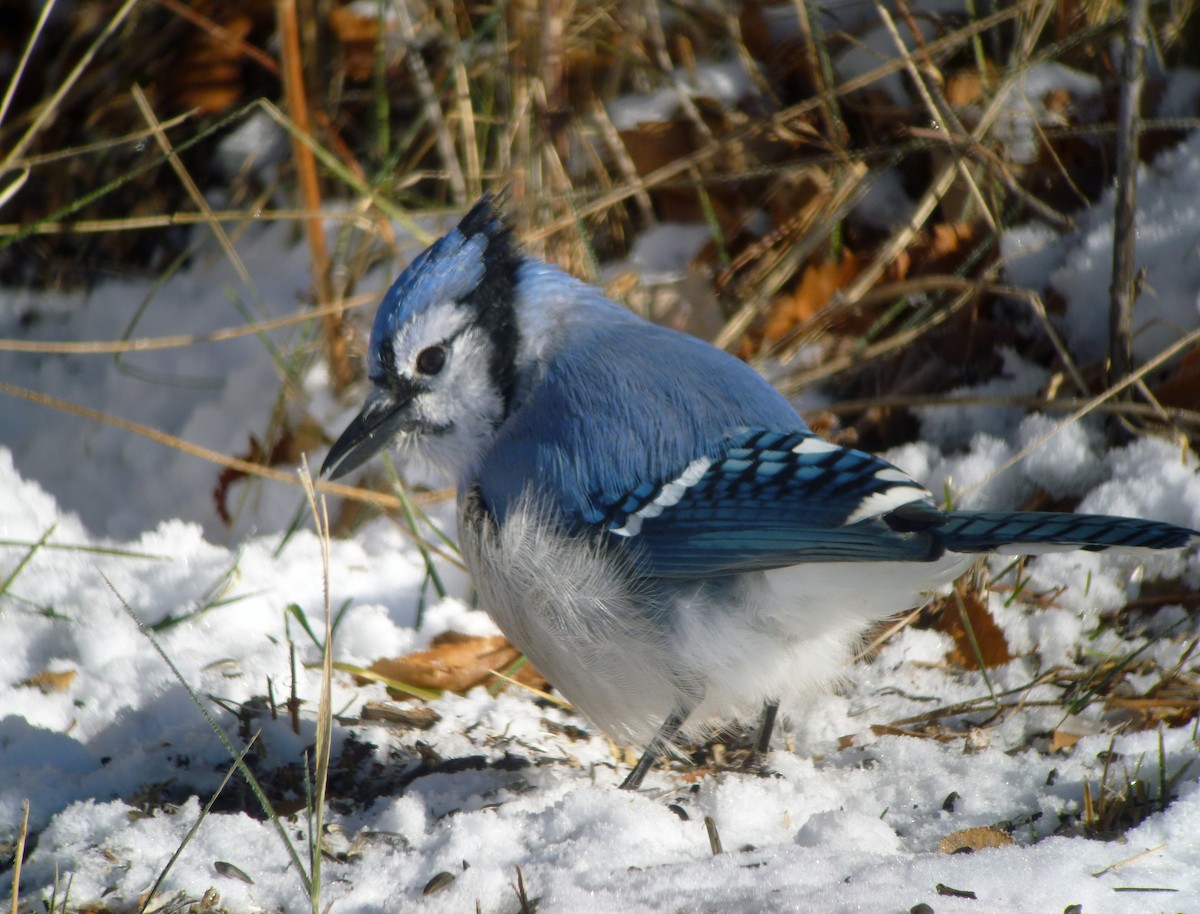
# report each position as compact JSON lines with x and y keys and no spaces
{"x":494,"y":298}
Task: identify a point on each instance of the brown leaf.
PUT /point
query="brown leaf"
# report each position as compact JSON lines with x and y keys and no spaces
{"x":1062,"y":739}
{"x":974,"y":839}
{"x":993,"y":647}
{"x":456,"y":662}
{"x":359,"y":38}
{"x":209,"y":76}
{"x":941,"y":249}
{"x":50,"y":680}
{"x":290,"y":445}
{"x":1182,"y":388}
{"x":817,"y":285}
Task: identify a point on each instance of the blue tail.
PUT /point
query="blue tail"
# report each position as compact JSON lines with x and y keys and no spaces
{"x":1033,"y":532}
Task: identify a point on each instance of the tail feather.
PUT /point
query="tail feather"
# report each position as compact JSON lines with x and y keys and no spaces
{"x":1028,"y":532}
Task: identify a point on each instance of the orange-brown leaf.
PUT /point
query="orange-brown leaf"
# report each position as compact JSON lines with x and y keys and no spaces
{"x":974,"y":839}
{"x":359,"y":37}
{"x":51,"y":680}
{"x":1063,"y":739}
{"x":210,"y":70}
{"x":456,"y":662}
{"x":817,"y":285}
{"x":993,"y":647}
{"x":1182,"y":388}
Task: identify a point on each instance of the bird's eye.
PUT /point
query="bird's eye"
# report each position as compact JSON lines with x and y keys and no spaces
{"x":431,"y":360}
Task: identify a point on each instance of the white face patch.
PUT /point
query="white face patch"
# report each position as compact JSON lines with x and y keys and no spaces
{"x":457,"y":409}
{"x":668,"y":496}
{"x":431,"y":327}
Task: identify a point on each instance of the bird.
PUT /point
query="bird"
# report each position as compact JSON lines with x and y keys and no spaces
{"x":642,"y":514}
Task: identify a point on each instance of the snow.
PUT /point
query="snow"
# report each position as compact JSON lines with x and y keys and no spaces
{"x":1023,"y":111}
{"x":1167,"y":235}
{"x":726,"y":82}
{"x":116,"y":764}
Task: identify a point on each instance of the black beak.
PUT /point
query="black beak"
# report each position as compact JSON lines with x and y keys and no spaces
{"x":381,"y":418}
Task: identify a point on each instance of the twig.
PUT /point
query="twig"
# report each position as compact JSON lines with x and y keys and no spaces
{"x":158,"y":343}
{"x":222,"y":35}
{"x":433,"y":110}
{"x":1163,"y":357}
{"x":379,"y":499}
{"x":1122,"y":292}
{"x":336,"y":352}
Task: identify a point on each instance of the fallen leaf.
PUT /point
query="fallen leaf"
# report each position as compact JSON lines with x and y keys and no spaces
{"x":1182,"y":387}
{"x":209,"y":74}
{"x":50,"y":680}
{"x":993,"y":647}
{"x":457,"y":663}
{"x":1064,"y":739}
{"x":818,"y":283}
{"x":974,"y":839}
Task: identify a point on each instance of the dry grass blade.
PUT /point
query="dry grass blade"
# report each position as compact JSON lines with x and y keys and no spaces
{"x":369,"y":194}
{"x":57,"y":155}
{"x":540,"y":693}
{"x":152,"y":344}
{"x":800,"y":381}
{"x":238,"y":763}
{"x":1032,"y":402}
{"x":168,"y":220}
{"x":324,"y":744}
{"x":778,"y":120}
{"x":47,"y":8}
{"x":222,"y":34}
{"x":1136,"y":858}
{"x":388,"y":682}
{"x":379,"y":499}
{"x":50,"y":108}
{"x":337,"y":355}
{"x":941,"y":113}
{"x":433,"y":110}
{"x":19,"y":856}
{"x":1123,"y":290}
{"x":193,"y":189}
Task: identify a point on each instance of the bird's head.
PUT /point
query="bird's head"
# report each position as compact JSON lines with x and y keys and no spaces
{"x":443,"y":351}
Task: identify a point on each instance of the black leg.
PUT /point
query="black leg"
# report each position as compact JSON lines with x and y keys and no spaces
{"x":656,"y":748}
{"x":762,"y":741}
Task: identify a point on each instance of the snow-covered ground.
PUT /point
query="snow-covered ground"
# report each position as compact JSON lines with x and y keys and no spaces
{"x":115,"y":761}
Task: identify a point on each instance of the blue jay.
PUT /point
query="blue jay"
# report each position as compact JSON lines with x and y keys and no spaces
{"x":643,"y":515}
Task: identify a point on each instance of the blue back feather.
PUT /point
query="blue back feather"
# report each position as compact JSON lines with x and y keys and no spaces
{"x":622,"y":402}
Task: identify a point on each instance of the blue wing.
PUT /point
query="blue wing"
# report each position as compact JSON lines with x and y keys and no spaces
{"x":772,"y":499}
{"x":685,"y":456}
{"x":769,"y":499}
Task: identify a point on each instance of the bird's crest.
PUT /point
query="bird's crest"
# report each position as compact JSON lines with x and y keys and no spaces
{"x":474,"y":265}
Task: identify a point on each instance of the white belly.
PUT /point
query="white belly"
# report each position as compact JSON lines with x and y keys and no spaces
{"x":627,"y":652}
